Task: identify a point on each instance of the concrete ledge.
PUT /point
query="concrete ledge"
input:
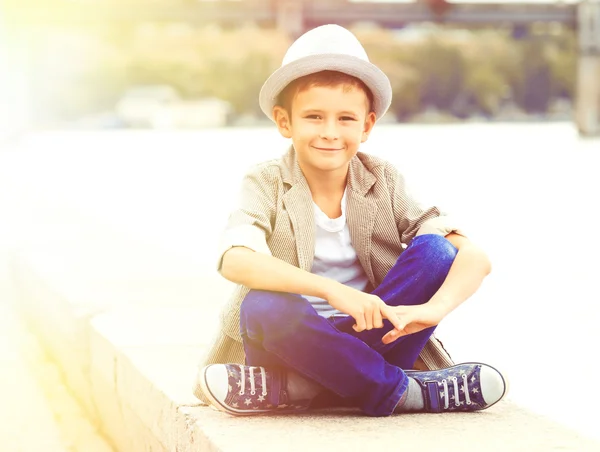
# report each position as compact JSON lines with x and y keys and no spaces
{"x":148,"y":370}
{"x":60,"y":290}
{"x":153,"y":377}
{"x":132,"y":348}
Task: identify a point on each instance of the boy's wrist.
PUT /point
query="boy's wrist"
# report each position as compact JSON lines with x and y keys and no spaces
{"x":327,"y":287}
{"x":445,"y":304}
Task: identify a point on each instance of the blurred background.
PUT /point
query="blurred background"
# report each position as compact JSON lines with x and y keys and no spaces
{"x":167,"y":63}
{"x":127,"y":125}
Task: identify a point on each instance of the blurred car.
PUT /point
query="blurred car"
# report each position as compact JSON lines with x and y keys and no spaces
{"x":193,"y":114}
{"x":139,"y":106}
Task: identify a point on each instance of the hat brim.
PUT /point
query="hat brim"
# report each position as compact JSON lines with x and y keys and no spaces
{"x":371,"y":75}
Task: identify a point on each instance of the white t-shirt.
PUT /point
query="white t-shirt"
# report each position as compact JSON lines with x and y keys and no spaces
{"x":335,"y":257}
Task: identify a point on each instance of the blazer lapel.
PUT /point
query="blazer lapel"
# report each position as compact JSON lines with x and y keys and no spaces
{"x":360,"y":214}
{"x":299,"y":205}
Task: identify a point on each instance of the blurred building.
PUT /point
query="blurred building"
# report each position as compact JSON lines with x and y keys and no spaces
{"x":161,"y":107}
{"x":14,"y":93}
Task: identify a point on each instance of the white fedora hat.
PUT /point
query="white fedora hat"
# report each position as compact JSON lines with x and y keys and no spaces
{"x":327,"y":48}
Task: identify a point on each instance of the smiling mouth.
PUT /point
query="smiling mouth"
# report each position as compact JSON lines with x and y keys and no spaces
{"x":327,"y":149}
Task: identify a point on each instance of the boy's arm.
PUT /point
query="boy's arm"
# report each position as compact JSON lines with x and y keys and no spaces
{"x":245,"y":258}
{"x":260,"y":271}
{"x":263,"y":272}
{"x":466,"y":274}
{"x":251,"y":223}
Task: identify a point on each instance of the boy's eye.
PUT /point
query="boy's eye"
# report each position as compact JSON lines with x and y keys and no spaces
{"x":343,"y":118}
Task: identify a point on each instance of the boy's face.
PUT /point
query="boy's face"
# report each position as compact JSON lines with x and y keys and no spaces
{"x":327,"y":126}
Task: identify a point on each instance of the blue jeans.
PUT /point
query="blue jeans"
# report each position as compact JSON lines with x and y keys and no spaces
{"x":284,"y":330}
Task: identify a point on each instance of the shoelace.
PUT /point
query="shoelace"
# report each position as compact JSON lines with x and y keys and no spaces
{"x":454,"y":381}
{"x":263,"y":375}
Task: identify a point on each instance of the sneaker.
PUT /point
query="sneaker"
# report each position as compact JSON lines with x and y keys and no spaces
{"x":245,"y":390}
{"x":463,"y":387}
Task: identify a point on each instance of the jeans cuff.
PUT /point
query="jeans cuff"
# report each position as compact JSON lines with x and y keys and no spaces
{"x":389,"y":407}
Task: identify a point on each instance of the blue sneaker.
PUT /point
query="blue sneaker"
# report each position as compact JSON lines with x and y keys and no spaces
{"x":463,"y":387}
{"x":246,"y":390}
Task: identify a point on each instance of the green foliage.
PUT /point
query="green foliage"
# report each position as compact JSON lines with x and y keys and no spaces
{"x":462,"y":73}
{"x":475,"y":72}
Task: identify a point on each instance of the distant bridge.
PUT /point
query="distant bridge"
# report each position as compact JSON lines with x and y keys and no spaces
{"x":305,"y":13}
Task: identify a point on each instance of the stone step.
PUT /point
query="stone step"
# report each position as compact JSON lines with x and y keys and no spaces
{"x":145,"y":361}
{"x":129,"y":343}
{"x":38,"y":412}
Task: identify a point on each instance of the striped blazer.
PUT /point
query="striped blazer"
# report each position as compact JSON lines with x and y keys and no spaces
{"x":275,"y":216}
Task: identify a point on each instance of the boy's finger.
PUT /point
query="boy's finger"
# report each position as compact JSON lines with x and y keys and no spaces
{"x":360,"y":323}
{"x":389,"y":314}
{"x":377,"y":319}
{"x":391,"y":336}
{"x":368,"y":320}
{"x":387,"y":338}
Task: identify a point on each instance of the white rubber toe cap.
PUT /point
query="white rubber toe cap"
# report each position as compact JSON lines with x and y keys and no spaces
{"x":493,"y":385}
{"x":216,"y":381}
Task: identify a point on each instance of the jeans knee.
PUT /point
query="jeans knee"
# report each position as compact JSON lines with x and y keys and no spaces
{"x":258,"y":303}
{"x":273,"y":313}
{"x":264,"y":305}
{"x":436,"y":251}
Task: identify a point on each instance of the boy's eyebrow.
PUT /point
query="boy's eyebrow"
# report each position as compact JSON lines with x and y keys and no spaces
{"x":316,"y":110}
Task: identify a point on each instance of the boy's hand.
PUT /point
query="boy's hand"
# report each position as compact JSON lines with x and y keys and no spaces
{"x":413,"y":319}
{"x":367,"y":310}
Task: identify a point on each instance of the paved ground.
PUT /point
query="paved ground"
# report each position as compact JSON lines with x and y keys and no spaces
{"x":27,"y":420}
{"x":527,"y":193}
{"x":37,"y":412}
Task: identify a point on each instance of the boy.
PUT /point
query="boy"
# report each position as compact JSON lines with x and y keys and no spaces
{"x":342,"y":276}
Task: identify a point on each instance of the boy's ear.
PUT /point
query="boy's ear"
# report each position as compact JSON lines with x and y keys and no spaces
{"x":369,"y":124}
{"x":282,"y":120}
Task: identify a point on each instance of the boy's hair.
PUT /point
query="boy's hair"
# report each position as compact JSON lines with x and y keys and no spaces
{"x":323,"y":78}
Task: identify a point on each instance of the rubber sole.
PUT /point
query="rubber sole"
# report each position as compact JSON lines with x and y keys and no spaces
{"x":218,"y":405}
{"x":504,"y":379}
{"x":215,"y":404}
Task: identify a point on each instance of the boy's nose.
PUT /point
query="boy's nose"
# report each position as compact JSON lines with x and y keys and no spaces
{"x":329,"y":131}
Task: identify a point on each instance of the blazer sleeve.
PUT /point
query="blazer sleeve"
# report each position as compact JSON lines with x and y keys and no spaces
{"x":251,"y":223}
{"x":411,"y":218}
